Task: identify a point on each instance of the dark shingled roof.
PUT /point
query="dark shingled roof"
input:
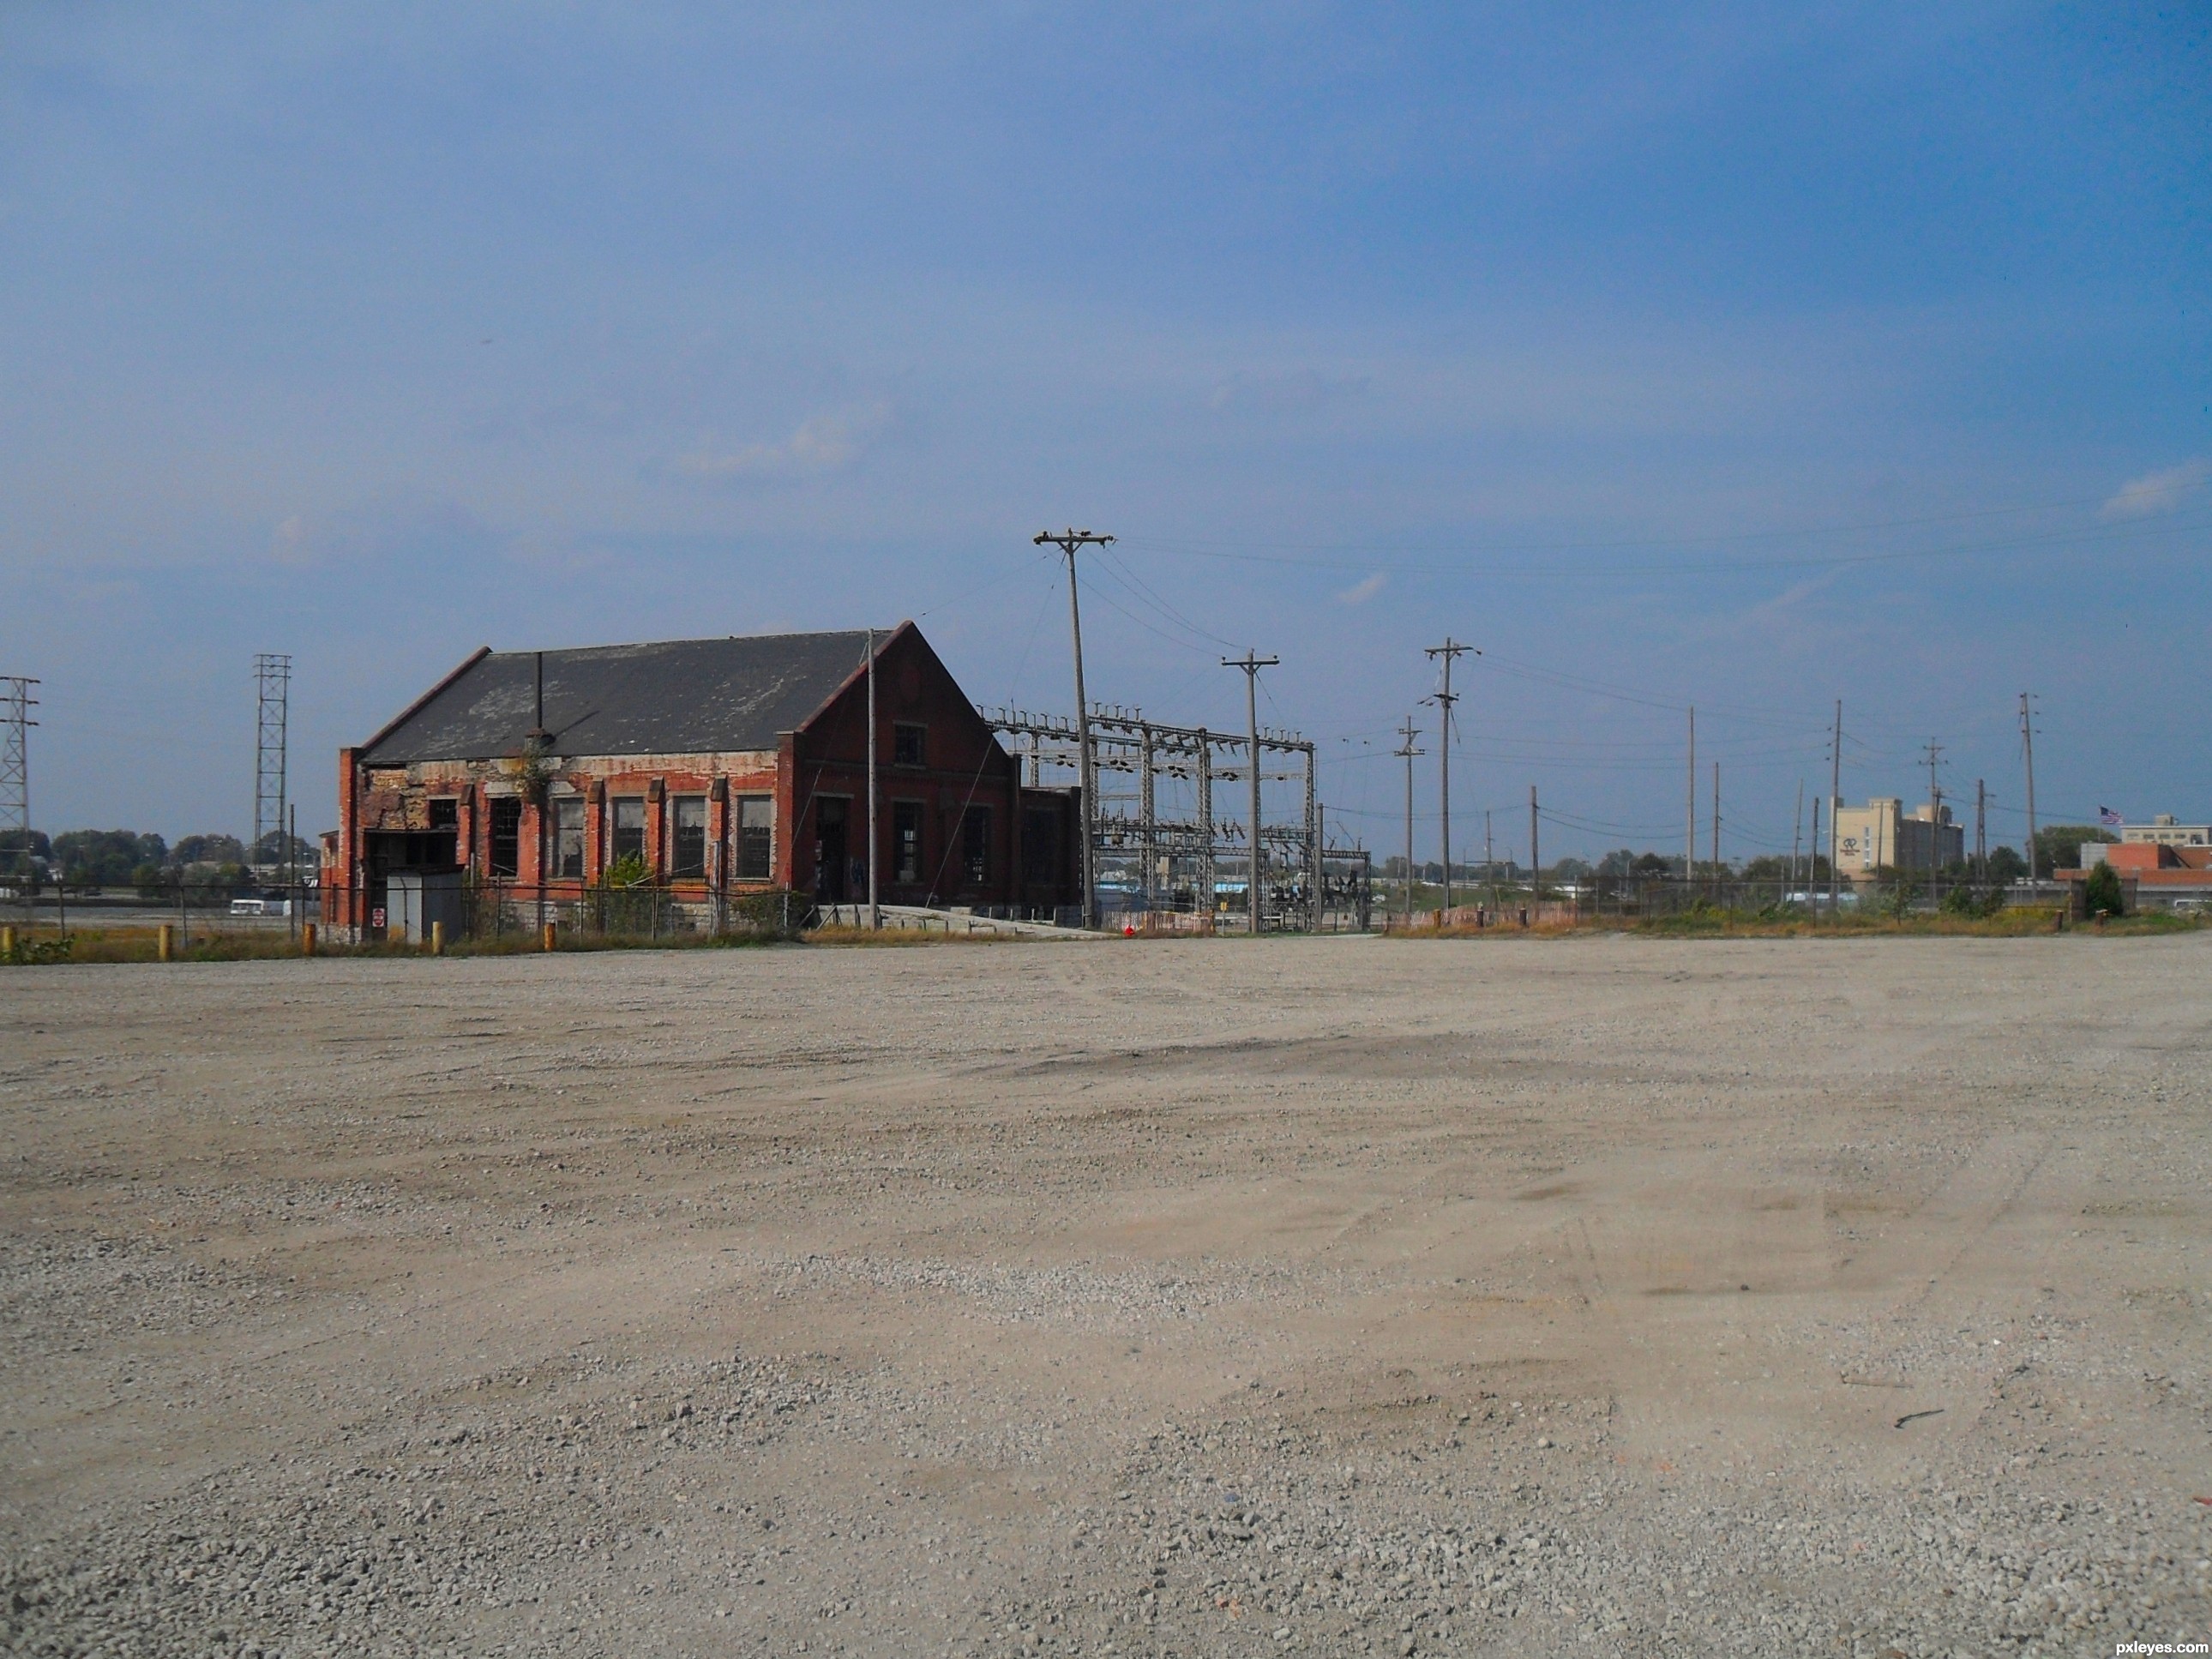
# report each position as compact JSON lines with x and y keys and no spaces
{"x":675,"y":697}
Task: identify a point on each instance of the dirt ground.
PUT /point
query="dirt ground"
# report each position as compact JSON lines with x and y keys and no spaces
{"x":1314,"y":1297}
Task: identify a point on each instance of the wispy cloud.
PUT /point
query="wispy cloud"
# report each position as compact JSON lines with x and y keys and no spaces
{"x":2158,"y":492}
{"x":1362,"y":590}
{"x":819,"y":444}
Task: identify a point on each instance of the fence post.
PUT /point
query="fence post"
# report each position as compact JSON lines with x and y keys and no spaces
{"x":549,"y":936}
{"x":7,"y":944}
{"x":306,"y":938}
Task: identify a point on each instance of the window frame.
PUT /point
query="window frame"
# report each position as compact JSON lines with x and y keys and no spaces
{"x":975,"y":845}
{"x":745,"y":834}
{"x":910,"y":733}
{"x":909,"y":833}
{"x":617,"y":832}
{"x":679,"y":867}
{"x":569,"y":839}
{"x":503,"y":822}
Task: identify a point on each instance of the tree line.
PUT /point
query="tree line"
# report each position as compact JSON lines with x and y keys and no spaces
{"x":95,"y":861}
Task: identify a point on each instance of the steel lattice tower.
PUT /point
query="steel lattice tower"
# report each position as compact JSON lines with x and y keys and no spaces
{"x":273,"y":674}
{"x":16,"y":704}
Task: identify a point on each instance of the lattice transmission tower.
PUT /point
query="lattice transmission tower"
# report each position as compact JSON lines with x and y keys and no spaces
{"x":272,"y":675}
{"x":16,"y":704}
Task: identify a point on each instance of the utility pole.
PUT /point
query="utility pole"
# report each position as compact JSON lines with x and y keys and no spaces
{"x":16,"y":704}
{"x":1812,"y":858}
{"x":1252,"y":665}
{"x":272,"y":676}
{"x":1717,"y":892}
{"x":1407,"y":751}
{"x":1535,"y":859}
{"x":2027,"y":748}
{"x":1690,"y":818}
{"x":1488,"y":861}
{"x":875,"y":841}
{"x":1935,"y":818}
{"x":1835,"y":808}
{"x":1981,"y":830}
{"x":1068,"y":541}
{"x":1797,"y":823}
{"x":1450,"y":650}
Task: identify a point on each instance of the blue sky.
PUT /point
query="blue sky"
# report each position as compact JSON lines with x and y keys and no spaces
{"x":1744,"y":356}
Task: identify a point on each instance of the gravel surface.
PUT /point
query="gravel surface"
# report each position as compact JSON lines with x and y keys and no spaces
{"x":1180,"y":1298}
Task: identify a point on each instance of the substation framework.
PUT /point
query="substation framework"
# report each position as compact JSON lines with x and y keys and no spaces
{"x":1149,"y":862}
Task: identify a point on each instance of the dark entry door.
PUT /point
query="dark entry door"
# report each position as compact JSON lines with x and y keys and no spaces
{"x":829,"y":851}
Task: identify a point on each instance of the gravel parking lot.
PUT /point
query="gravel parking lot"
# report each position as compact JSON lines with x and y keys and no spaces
{"x":1204,"y":1298}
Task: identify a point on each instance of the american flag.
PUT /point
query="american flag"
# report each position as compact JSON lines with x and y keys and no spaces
{"x":2106,"y":815}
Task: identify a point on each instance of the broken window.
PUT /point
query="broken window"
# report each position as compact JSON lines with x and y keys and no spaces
{"x":975,"y":844}
{"x":445,"y":813}
{"x":507,"y":835}
{"x":755,"y":838}
{"x":688,"y":840}
{"x":906,"y":744}
{"x":568,"y":838}
{"x":906,"y":840}
{"x":629,"y":838}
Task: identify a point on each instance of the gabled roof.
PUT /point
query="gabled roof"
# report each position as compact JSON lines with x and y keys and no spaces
{"x":673,"y":697}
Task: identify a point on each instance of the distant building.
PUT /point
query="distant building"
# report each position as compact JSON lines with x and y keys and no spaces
{"x":2163,"y":831}
{"x":2154,"y":875}
{"x":1882,"y":834}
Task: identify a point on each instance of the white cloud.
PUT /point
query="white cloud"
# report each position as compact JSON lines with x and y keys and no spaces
{"x":2158,"y":492}
{"x":821,"y":443}
{"x":1362,"y":590}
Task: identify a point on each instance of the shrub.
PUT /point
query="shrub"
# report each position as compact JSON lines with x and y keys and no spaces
{"x":2102,"y":892}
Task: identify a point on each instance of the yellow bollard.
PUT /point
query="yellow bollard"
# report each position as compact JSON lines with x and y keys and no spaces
{"x":307,"y":938}
{"x":437,"y":939}
{"x":165,"y":945}
{"x":547,"y":937}
{"x":8,"y":943}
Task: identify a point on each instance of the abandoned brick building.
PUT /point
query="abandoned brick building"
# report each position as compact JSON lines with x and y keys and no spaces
{"x":723,"y":767}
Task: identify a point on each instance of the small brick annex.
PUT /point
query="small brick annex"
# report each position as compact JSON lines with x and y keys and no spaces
{"x":536,"y":771}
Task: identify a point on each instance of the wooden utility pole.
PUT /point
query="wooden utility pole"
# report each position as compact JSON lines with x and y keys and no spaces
{"x":1489,"y":860}
{"x":1935,"y":819}
{"x":1409,"y":732}
{"x":1797,"y":823}
{"x":1690,"y":818}
{"x":1813,"y":857}
{"x":875,"y":841}
{"x":1717,"y":893}
{"x":2027,"y":748}
{"x":1535,"y":858}
{"x":1835,"y":810}
{"x":1981,"y":830}
{"x":1252,"y":664}
{"x":1068,"y":541}
{"x":1450,"y":650}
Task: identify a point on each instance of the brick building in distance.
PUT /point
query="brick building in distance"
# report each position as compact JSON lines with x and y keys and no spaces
{"x":724,"y":766}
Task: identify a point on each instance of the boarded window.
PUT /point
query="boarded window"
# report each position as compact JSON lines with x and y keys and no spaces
{"x":907,"y":744}
{"x":687,"y":841}
{"x":628,"y":838}
{"x":975,"y":845}
{"x":755,"y":838}
{"x":906,"y":840}
{"x":568,"y":838}
{"x":506,"y":835}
